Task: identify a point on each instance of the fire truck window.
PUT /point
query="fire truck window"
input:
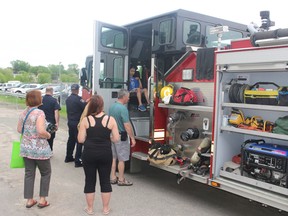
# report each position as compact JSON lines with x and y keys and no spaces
{"x":112,"y":77}
{"x":212,"y":39}
{"x":113,"y":38}
{"x":191,"y":33}
{"x":165,"y":32}
{"x":118,"y":75}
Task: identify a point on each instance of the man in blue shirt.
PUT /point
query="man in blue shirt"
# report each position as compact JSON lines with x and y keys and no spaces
{"x":75,"y":106}
{"x":121,"y":149}
{"x":51,"y":108}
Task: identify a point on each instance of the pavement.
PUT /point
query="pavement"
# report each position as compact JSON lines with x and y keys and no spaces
{"x":154,"y":193}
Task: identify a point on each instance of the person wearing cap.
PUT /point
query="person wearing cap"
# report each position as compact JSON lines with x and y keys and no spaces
{"x":75,"y":106}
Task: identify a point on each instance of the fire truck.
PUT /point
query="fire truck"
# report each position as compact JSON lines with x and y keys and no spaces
{"x":183,"y":49}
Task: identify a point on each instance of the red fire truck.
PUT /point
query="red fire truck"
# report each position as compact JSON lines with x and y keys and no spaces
{"x":178,"y":49}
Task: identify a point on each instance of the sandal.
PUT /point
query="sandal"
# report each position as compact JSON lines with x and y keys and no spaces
{"x":88,"y":211}
{"x":106,"y":212}
{"x":124,"y":183}
{"x":114,"y":181}
{"x":43,"y":205}
{"x":32,"y":204}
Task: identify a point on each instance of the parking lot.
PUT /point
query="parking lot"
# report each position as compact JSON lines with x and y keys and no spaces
{"x":154,"y":193}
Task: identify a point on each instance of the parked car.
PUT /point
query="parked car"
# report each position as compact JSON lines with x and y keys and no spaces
{"x":24,"y":88}
{"x":6,"y":86}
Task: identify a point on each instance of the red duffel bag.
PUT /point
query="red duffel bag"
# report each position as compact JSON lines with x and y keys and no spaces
{"x":184,"y":96}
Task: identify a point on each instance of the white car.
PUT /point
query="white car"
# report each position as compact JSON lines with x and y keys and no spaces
{"x":6,"y":86}
{"x":24,"y":88}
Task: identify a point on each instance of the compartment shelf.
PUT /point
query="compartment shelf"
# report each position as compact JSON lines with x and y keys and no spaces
{"x":254,"y":182}
{"x":254,"y":133}
{"x":256,"y":106}
{"x":189,"y":108}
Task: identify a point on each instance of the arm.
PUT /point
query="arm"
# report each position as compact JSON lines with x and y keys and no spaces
{"x":140,"y":84}
{"x":19,"y":126}
{"x":129,"y":130}
{"x":114,"y":130}
{"x":57,"y":117}
{"x":82,"y":131}
{"x":41,"y":129}
{"x":83,"y":115}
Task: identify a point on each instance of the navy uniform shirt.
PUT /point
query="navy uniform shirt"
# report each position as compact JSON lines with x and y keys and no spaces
{"x":75,"y":106}
{"x":49,"y":105}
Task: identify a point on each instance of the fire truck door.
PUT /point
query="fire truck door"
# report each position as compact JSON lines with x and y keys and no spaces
{"x":110,"y":61}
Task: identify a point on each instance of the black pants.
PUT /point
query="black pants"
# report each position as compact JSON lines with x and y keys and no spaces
{"x":93,"y":162}
{"x":51,"y":140}
{"x":72,"y":141}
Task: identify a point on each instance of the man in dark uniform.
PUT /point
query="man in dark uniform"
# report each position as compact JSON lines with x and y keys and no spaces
{"x":51,"y":108}
{"x":75,"y":106}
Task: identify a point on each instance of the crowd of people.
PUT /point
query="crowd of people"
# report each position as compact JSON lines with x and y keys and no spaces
{"x":102,"y":143}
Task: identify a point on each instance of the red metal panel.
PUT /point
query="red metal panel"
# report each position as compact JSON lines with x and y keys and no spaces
{"x":241,"y":44}
{"x":189,"y":62}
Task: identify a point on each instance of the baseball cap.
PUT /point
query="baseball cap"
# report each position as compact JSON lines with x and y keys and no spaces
{"x":75,"y":87}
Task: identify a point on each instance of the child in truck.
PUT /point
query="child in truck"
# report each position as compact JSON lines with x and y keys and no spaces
{"x":135,"y":85}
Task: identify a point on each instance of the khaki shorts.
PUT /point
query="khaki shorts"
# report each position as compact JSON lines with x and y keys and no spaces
{"x":121,"y":150}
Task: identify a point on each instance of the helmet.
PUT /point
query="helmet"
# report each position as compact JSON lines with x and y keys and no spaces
{"x":166,"y":91}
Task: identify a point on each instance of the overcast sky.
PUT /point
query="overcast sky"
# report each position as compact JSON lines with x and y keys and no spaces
{"x":43,"y":32}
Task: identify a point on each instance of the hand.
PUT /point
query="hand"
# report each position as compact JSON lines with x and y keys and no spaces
{"x":133,"y":142}
{"x":57,"y":125}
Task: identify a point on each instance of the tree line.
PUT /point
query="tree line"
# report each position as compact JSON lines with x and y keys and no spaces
{"x":26,"y":73}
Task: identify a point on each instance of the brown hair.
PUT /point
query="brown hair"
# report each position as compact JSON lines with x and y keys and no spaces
{"x":33,"y":98}
{"x":96,"y":105}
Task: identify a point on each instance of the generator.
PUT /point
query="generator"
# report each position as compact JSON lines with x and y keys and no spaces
{"x":265,"y":162}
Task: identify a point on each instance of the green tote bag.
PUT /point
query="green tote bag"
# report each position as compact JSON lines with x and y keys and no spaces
{"x":16,"y":160}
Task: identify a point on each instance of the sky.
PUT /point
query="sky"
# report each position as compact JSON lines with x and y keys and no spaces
{"x":43,"y":32}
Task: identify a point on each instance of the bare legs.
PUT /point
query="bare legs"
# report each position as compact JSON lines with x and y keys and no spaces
{"x":90,"y":197}
{"x":90,"y":201}
{"x":105,"y":201}
{"x":139,"y":95}
{"x":121,"y":168}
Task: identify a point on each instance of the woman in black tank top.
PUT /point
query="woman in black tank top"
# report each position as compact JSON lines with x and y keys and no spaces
{"x":96,"y":132}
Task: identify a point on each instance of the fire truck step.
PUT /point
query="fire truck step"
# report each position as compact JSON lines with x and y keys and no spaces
{"x":140,"y":155}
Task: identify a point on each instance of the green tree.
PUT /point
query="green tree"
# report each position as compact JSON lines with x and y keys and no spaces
{"x":73,"y":68}
{"x":6,"y":75}
{"x":56,"y":71}
{"x":70,"y":78}
{"x":39,"y":69}
{"x":19,"y":65}
{"x":25,"y":77}
{"x":44,"y":78}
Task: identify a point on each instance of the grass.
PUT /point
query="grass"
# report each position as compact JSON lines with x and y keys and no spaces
{"x":21,"y":103}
